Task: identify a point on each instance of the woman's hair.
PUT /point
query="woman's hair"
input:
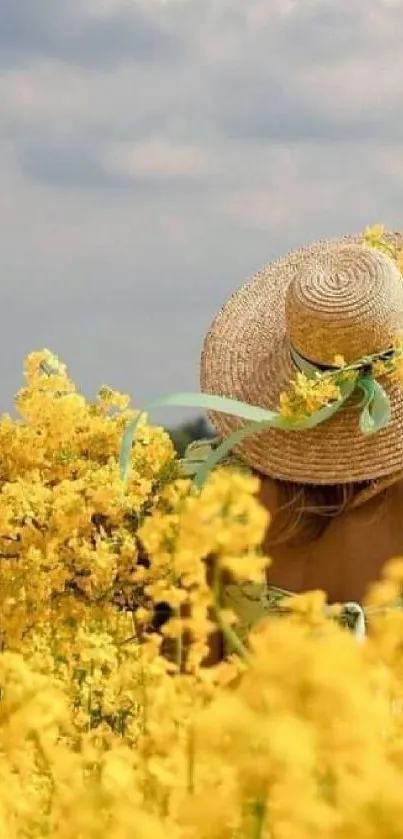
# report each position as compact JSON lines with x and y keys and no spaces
{"x":304,"y":511}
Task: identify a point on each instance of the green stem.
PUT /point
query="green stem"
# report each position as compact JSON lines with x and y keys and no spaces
{"x":179,"y":645}
{"x":89,"y":700}
{"x":229,"y":634}
{"x":191,"y":760}
{"x":144,"y":709}
{"x":259,"y":812}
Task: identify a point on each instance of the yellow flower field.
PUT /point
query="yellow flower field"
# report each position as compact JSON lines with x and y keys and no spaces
{"x":106,"y":735}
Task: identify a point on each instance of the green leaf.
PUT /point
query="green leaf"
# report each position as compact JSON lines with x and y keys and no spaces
{"x":126,"y":449}
{"x":375,"y":413}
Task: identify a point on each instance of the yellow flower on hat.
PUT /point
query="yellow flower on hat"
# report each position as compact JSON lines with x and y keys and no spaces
{"x":379,"y":368}
{"x":308,"y":395}
{"x":339,"y":360}
{"x":374,"y":237}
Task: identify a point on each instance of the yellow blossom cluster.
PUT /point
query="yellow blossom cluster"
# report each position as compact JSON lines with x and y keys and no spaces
{"x":67,"y":531}
{"x":375,"y":236}
{"x":105,"y":735}
{"x":308,"y":394}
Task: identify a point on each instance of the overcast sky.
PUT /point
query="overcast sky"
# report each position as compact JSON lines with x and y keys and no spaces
{"x":154,"y":154}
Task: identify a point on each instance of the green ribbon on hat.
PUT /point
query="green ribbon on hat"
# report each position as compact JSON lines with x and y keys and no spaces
{"x":374,"y":413}
{"x":375,"y":405}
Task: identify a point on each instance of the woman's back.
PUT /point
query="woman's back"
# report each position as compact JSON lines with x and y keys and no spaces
{"x":347,"y":557}
{"x":302,"y":377}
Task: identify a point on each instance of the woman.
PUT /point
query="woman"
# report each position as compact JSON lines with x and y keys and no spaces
{"x":315,"y":339}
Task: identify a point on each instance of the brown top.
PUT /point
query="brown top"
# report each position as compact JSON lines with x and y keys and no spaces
{"x":352,"y":551}
{"x":350,"y":554}
{"x":343,"y":562}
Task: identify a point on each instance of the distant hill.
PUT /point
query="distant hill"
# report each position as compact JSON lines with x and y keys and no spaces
{"x":185,"y":434}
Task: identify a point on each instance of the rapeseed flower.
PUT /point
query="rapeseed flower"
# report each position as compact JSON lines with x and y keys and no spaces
{"x":102,"y":732}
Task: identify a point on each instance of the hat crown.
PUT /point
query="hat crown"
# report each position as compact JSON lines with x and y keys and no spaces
{"x":345,"y":299}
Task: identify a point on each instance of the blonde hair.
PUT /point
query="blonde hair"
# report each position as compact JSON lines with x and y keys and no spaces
{"x":305,"y":511}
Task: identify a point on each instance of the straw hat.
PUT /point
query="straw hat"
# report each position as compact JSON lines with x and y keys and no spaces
{"x":338,"y":297}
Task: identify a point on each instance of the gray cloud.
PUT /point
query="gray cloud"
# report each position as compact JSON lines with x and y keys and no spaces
{"x":44,"y":29}
{"x":322,"y":72}
{"x":318,"y":72}
{"x":275,"y":114}
{"x":64,"y":163}
{"x":74,"y":162}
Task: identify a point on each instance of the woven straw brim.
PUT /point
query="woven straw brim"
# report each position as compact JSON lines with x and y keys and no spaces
{"x":246,"y":357}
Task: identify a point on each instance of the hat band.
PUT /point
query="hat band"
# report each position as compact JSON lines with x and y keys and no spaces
{"x":306,"y":365}
{"x":311,"y":368}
